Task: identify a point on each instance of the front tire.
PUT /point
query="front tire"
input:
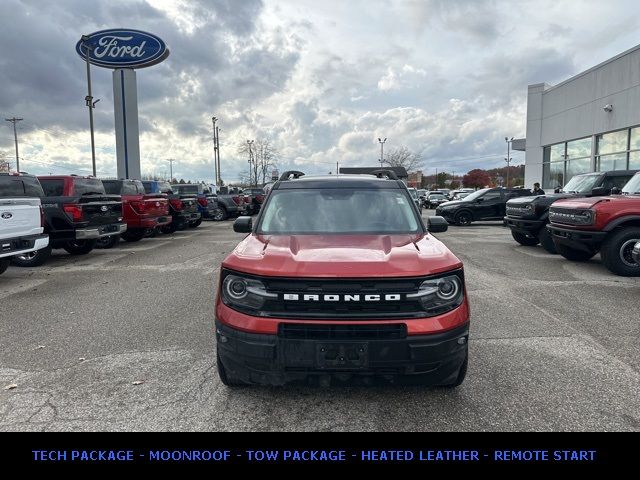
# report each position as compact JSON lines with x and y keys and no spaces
{"x":79,"y":247}
{"x":4,"y":264}
{"x":463,"y":219}
{"x":462,"y":373}
{"x":522,"y":239}
{"x":546,"y":240}
{"x":169,"y":229}
{"x":616,"y":252}
{"x":220,"y":214}
{"x":574,"y":255}
{"x":226,"y":379}
{"x":195,"y":223}
{"x":32,"y":259}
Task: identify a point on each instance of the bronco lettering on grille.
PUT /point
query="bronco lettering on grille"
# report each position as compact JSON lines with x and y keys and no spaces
{"x":310,"y":297}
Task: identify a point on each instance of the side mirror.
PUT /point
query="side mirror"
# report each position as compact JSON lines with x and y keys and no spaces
{"x":243,"y":225}
{"x":479,"y":200}
{"x":616,"y":191}
{"x":600,"y":191}
{"x":437,"y":224}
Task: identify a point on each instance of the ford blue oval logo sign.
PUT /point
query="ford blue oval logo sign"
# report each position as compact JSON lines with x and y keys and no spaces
{"x":122,"y":48}
{"x":7,"y":215}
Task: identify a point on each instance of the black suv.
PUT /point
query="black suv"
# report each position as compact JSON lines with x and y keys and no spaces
{"x":485,"y":204}
{"x":528,"y":217}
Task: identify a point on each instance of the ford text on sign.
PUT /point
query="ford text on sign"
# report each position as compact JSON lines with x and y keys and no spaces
{"x":123,"y":48}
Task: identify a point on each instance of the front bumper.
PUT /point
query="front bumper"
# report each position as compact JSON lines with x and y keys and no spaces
{"x":91,"y":233}
{"x":584,"y":240}
{"x":278,"y":359}
{"x":636,"y":253}
{"x":525,"y":226}
{"x":19,"y":245}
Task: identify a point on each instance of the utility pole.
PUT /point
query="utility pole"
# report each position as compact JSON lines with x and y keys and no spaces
{"x":381,"y":150}
{"x":250,"y":143}
{"x":508,"y":159}
{"x":437,"y":182}
{"x":171,"y":160}
{"x":218,"y":154}
{"x":90,"y":103}
{"x":14,"y":120}
{"x":215,"y":151}
{"x":337,"y":168}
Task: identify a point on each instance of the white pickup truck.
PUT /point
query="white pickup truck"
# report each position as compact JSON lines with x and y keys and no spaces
{"x":21,"y":219}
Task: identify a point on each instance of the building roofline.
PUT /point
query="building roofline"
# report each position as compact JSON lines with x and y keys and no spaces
{"x":596,"y":67}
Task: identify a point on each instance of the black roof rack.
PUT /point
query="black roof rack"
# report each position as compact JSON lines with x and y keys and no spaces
{"x":290,"y":173}
{"x":390,"y":174}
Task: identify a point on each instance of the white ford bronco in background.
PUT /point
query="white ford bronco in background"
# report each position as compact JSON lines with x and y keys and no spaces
{"x":21,"y":219}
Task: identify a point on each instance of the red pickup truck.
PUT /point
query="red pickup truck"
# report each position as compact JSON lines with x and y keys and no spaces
{"x":582,"y":227}
{"x":141,"y":211}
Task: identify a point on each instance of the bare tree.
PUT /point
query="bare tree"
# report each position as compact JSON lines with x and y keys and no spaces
{"x":403,"y":157}
{"x":263,"y":158}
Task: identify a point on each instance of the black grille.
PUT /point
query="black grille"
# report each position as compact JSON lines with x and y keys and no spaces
{"x":342,"y":332}
{"x":519,"y":212}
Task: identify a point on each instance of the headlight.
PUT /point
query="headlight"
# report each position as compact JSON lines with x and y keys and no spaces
{"x":440,"y":295}
{"x":244,"y":293}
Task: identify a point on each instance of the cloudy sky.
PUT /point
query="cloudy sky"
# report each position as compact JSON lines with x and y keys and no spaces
{"x":321,"y":80}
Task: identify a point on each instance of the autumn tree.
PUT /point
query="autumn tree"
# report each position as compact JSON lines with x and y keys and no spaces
{"x":403,"y":157}
{"x":476,"y":179}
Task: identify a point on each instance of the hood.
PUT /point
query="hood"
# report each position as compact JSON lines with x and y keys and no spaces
{"x":454,"y":203}
{"x":582,"y":203}
{"x":348,"y":256}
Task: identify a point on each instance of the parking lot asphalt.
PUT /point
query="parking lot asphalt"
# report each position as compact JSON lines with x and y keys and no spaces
{"x":123,"y":339}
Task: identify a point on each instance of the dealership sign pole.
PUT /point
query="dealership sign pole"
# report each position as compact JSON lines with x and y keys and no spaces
{"x":124,"y":50}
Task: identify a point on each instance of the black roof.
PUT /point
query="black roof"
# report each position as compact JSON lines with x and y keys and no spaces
{"x":401,"y":172}
{"x":339,"y":181}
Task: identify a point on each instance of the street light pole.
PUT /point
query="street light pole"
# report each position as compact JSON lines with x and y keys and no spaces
{"x":171,"y":160}
{"x":215,"y":151}
{"x":15,"y":120}
{"x":89,"y":101}
{"x":508,"y":159}
{"x":250,"y":143}
{"x":381,"y":150}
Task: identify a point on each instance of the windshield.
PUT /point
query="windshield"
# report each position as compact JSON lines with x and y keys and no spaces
{"x":478,"y":193}
{"x":581,"y":184}
{"x":414,"y":193}
{"x":633,"y":186}
{"x":87,"y":186}
{"x":436,"y":195}
{"x":186,"y":188}
{"x":339,"y":211}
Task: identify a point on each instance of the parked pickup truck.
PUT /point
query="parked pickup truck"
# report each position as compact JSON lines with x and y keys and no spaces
{"x":141,"y":211}
{"x":582,"y":227}
{"x":183,"y":208}
{"x":231,"y":202}
{"x":77,"y":212}
{"x":207,"y":201}
{"x":21,"y":219}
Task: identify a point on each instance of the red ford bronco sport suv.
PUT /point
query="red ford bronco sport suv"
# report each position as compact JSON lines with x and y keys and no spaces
{"x":610,"y":225}
{"x":339,"y":279}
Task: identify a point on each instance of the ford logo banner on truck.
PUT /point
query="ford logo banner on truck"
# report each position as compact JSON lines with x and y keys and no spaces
{"x":122,"y":48}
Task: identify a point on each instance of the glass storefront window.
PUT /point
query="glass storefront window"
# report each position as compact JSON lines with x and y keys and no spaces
{"x":579,"y":148}
{"x":556,"y":175}
{"x":557,"y":152}
{"x":576,"y":167}
{"x":634,"y":160}
{"x":634,"y":143}
{"x":612,"y":142}
{"x":612,"y":162}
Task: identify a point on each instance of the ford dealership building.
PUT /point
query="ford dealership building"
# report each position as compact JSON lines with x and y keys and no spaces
{"x":588,"y":123}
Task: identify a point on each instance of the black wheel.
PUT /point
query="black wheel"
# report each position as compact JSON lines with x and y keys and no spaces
{"x":227,"y":380}
{"x":220,"y":214}
{"x":171,"y":228}
{"x":616,"y":252}
{"x":522,"y":239}
{"x":133,"y":235}
{"x":108,"y":242}
{"x":546,"y":240}
{"x":463,"y":219}
{"x":574,"y":255}
{"x":195,"y":224}
{"x":79,"y":247}
{"x":32,"y":259}
{"x":4,"y":264}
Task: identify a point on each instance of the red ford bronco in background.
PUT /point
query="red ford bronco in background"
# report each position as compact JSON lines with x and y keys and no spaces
{"x":339,"y":279}
{"x":609,"y":225}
